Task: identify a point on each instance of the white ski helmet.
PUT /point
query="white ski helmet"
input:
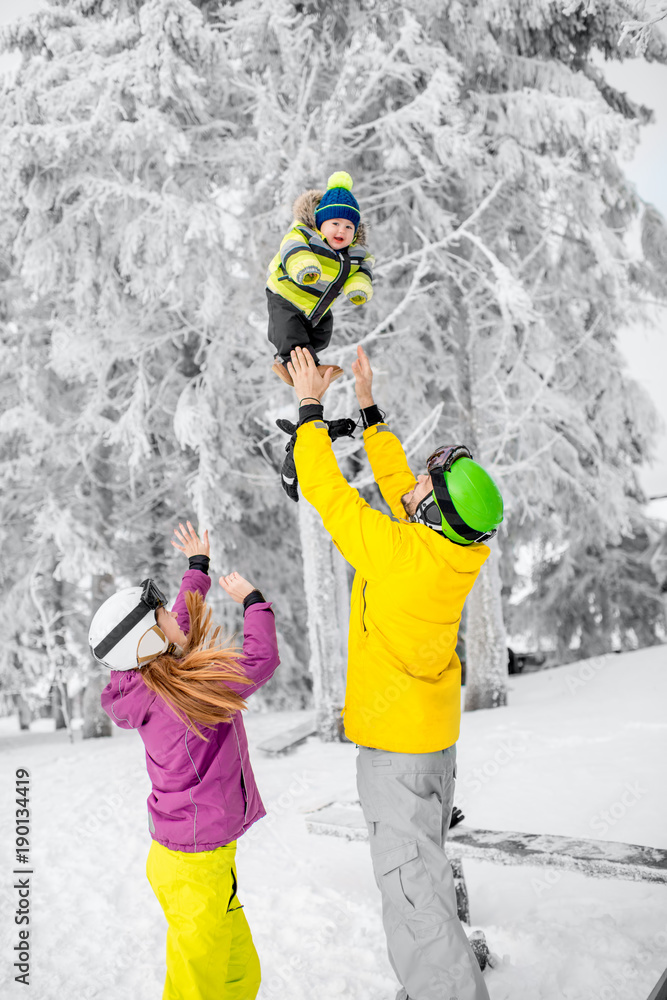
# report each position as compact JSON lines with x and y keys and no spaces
{"x":124,"y":633}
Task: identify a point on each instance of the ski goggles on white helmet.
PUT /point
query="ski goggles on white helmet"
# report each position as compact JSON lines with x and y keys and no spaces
{"x":124,"y":633}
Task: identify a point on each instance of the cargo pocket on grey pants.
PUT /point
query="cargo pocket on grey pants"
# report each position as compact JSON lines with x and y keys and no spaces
{"x":404,"y":879}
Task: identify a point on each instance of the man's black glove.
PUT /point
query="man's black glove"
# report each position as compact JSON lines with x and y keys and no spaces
{"x":343,"y":427}
{"x":457,"y":816}
{"x":288,"y":479}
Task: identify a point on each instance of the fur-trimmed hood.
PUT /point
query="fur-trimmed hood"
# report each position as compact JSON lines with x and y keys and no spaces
{"x":304,"y":212}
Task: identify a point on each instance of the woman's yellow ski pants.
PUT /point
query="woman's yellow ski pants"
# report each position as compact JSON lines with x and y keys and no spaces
{"x":210,"y":951}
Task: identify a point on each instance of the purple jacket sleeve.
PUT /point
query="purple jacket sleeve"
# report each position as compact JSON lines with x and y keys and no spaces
{"x":260,"y":649}
{"x":126,"y":699}
{"x":193,"y":579}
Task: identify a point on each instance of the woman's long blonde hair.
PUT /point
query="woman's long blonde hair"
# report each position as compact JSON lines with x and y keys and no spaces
{"x":194,"y":684}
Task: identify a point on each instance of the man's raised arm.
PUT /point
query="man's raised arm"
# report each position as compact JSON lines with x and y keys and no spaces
{"x":385,"y":452}
{"x":368,"y":539}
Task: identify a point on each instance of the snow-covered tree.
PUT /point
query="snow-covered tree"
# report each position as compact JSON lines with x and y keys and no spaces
{"x":323,"y":569}
{"x":153,"y":151}
{"x":485,"y":144}
{"x":123,"y":171}
{"x":593,"y":599}
{"x":36,"y":466}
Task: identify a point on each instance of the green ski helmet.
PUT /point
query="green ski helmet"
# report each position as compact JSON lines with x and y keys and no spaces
{"x":465,"y":503}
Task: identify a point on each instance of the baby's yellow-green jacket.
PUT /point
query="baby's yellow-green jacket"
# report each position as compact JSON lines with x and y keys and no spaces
{"x":403,"y":675}
{"x":310,"y":274}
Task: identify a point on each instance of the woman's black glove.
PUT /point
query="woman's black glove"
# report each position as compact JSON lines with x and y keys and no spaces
{"x":343,"y":427}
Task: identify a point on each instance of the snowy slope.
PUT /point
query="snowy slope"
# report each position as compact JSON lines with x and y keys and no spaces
{"x":581,"y":750}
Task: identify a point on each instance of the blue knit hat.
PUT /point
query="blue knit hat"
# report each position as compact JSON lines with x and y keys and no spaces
{"x":338,"y":202}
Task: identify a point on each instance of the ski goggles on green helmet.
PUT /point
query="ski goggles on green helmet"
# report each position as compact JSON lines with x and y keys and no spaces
{"x":437,"y":465}
{"x":444,"y":457}
{"x":151,"y":598}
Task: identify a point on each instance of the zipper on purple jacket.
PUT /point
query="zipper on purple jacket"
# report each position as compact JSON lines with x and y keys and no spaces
{"x":243,"y":784}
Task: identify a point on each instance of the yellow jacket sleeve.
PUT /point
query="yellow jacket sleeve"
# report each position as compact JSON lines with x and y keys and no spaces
{"x":297,"y":257}
{"x":390,"y":466}
{"x":358,"y":288}
{"x":370,"y":540}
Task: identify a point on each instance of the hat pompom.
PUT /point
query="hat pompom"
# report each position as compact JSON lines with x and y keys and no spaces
{"x":341,"y":179}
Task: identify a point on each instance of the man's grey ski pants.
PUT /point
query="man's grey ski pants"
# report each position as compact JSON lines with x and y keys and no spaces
{"x":407,"y":801}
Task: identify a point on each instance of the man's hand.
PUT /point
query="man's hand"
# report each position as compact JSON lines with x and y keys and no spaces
{"x":307,"y":380}
{"x":191,"y":545}
{"x":363,"y":379}
{"x":236,"y":587}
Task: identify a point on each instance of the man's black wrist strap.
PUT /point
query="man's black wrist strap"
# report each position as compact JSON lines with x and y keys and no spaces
{"x":254,"y":597}
{"x":372,"y":415}
{"x":310,"y":411}
{"x":200,"y":562}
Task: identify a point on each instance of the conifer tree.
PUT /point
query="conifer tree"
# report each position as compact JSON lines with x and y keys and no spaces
{"x":154,"y":150}
{"x":595,"y":599}
{"x":123,"y":169}
{"x":485,"y":144}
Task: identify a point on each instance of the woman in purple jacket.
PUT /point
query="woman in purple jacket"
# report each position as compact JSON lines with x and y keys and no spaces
{"x":174,"y":681}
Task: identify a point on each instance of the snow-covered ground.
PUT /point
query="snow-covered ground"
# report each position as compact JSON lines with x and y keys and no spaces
{"x":581,"y":750}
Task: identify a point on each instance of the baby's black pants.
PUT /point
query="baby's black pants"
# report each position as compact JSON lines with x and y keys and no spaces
{"x":289,"y":328}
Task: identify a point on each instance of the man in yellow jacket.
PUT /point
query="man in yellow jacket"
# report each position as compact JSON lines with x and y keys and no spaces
{"x":415,"y":569}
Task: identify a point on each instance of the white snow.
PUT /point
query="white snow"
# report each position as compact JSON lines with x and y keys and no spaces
{"x":579,"y":751}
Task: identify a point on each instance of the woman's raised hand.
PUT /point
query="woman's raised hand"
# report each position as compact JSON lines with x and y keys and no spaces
{"x":236,"y":586}
{"x":191,"y":543}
